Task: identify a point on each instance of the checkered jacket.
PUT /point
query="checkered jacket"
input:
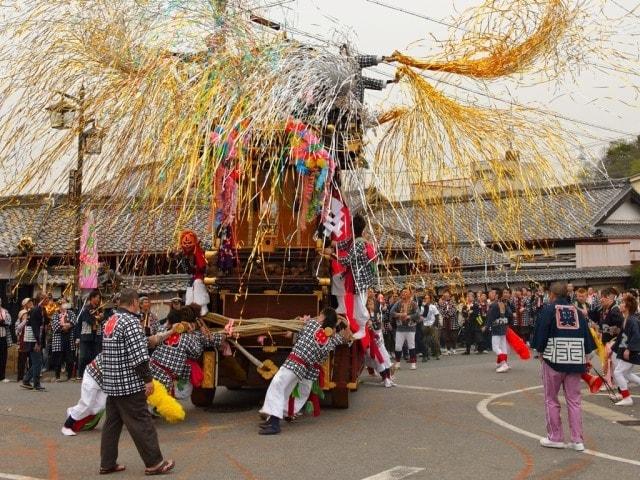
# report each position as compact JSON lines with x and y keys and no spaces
{"x":449,"y":315}
{"x":169,"y":360}
{"x":124,"y":347}
{"x":358,"y":261}
{"x":5,"y":330}
{"x":150,"y":323}
{"x":94,"y":369}
{"x":60,"y":340}
{"x":529,"y":310}
{"x":311,"y":351}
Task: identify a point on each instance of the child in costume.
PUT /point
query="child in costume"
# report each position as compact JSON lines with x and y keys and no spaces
{"x":86,"y":414}
{"x":498,"y":319}
{"x":302,"y":367}
{"x":376,"y":355}
{"x":192,"y":260}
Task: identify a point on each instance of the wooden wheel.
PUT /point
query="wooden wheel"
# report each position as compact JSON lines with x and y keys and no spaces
{"x":203,"y":397}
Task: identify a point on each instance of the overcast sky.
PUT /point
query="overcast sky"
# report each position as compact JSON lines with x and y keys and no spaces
{"x":595,"y":98}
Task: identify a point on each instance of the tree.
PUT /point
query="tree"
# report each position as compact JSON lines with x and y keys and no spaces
{"x":622,"y":158}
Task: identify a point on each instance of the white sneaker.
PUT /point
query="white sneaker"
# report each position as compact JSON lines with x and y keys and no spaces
{"x":545,"y":442}
{"x":6,"y":380}
{"x":445,"y":352}
{"x":625,"y":402}
{"x":577,"y":446}
{"x":413,"y":366}
{"x":388,"y":383}
{"x":502,"y":368}
{"x":67,"y":432}
{"x":453,"y":351}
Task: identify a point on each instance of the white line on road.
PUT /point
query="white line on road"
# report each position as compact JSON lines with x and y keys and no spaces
{"x":10,"y":476}
{"x":396,"y":473}
{"x":441,"y":390}
{"x":483,"y":405}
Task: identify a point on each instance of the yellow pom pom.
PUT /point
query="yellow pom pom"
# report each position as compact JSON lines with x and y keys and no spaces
{"x":166,"y":406}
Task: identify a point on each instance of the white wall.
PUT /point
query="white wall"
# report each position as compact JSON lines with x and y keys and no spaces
{"x":603,"y":254}
{"x":627,"y":212}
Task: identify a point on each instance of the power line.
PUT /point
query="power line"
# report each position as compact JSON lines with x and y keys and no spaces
{"x":415,"y":14}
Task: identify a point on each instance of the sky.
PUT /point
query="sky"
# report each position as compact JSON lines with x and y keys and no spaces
{"x":601,"y":107}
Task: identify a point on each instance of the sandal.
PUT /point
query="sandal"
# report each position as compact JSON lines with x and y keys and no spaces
{"x":165,"y":467}
{"x":115,"y":469}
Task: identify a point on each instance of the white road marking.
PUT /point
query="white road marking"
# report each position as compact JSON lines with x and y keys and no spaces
{"x":483,"y":405}
{"x":10,"y":476}
{"x":431,"y":389}
{"x":396,"y":473}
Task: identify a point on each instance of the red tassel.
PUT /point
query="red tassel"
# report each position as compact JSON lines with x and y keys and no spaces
{"x":514,"y":340}
{"x":197,"y":375}
{"x":315,"y":401}
{"x":291,"y":406}
{"x":594,"y":382}
{"x":374,"y":351}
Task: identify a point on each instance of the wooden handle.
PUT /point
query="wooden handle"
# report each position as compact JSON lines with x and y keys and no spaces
{"x":244,"y":351}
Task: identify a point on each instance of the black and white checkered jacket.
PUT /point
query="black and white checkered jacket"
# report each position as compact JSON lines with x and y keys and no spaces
{"x":363,"y":269}
{"x":5,"y":328}
{"x":124,"y":347}
{"x":310,"y":348}
{"x":94,"y":369}
{"x":168,"y":361}
{"x":61,"y":340}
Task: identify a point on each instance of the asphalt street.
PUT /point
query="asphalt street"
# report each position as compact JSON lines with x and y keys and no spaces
{"x":451,"y":419}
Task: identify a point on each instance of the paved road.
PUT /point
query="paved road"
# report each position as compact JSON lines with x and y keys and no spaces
{"x":450,"y":419}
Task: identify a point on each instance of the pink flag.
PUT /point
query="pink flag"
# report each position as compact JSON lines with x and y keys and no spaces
{"x":88,"y":275}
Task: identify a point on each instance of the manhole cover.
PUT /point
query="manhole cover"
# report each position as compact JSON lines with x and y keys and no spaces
{"x":629,"y":423}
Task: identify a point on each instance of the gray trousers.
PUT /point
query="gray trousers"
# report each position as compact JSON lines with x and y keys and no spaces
{"x":131,"y":411}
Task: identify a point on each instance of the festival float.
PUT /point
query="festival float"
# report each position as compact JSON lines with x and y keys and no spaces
{"x":264,"y":130}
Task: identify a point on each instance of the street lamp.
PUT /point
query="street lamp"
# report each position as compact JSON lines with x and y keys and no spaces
{"x":62,"y":116}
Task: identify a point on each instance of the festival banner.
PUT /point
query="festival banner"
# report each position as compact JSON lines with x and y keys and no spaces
{"x":88,"y":274}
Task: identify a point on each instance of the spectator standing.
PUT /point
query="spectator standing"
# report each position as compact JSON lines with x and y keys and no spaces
{"x":449,"y":316}
{"x":127,"y":381}
{"x":88,"y":331}
{"x":431,"y":323}
{"x":5,"y":340}
{"x":405,"y":313}
{"x":563,"y":341}
{"x":33,"y":343}
{"x":21,"y":324}
{"x":63,"y":324}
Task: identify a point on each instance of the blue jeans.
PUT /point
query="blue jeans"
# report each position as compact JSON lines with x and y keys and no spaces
{"x":35,"y":369}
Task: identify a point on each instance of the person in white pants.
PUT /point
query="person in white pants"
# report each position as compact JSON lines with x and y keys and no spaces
{"x":627,"y":350}
{"x":90,"y":408}
{"x":406,"y":314}
{"x":499,"y":317}
{"x":303,"y":366}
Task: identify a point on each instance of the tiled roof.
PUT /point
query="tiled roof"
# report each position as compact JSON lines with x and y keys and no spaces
{"x":557,"y":216}
{"x":52,"y":228}
{"x":153,"y":284}
{"x":504,"y":277}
